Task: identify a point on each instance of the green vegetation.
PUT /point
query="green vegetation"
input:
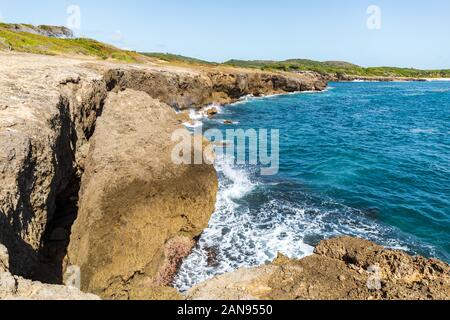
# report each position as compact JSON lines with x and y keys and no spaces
{"x":338,"y":67}
{"x":39,"y":44}
{"x":174,"y":58}
{"x":13,"y":37}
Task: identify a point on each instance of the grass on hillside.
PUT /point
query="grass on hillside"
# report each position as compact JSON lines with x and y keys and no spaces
{"x":338,"y":67}
{"x":174,"y":58}
{"x":38,"y":44}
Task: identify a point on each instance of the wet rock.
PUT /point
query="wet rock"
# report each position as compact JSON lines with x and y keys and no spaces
{"x":213,"y":254}
{"x":211,"y":112}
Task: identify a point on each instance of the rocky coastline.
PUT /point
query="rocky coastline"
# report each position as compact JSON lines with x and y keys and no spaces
{"x":88,"y":184}
{"x":87,"y":178}
{"x":355,"y":78}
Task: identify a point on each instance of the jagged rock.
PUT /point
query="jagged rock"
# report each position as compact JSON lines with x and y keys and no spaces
{"x":184,"y":89}
{"x":232,"y":85}
{"x":343,"y":269}
{"x":139,"y":211}
{"x":211,"y":112}
{"x":179,"y":88}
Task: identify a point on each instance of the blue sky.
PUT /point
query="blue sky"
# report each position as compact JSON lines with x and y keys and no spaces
{"x":414,"y":33}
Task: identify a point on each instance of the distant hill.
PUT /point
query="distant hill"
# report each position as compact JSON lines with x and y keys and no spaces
{"x":43,"y":30}
{"x":177,"y":58}
{"x":52,"y":40}
{"x":338,"y":67}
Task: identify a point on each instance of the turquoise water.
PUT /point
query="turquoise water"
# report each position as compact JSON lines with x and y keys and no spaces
{"x":362,"y":159}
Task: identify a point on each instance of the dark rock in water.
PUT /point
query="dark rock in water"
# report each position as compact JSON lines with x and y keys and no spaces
{"x":228,"y":122}
{"x":212,"y":112}
{"x":213,"y":253}
{"x":372,"y":212}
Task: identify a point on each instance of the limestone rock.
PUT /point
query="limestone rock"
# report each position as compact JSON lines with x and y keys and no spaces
{"x":4,"y":259}
{"x":49,"y":109}
{"x":198,"y":88}
{"x":17,"y":288}
{"x":37,"y":148}
{"x":341,"y":269}
{"x":139,"y":211}
{"x":211,"y":112}
{"x":179,"y":89}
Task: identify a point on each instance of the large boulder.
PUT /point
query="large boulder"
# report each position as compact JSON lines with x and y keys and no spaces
{"x":341,"y":269}
{"x":139,"y":212}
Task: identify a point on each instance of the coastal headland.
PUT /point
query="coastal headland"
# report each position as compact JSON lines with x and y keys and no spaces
{"x":90,"y":197}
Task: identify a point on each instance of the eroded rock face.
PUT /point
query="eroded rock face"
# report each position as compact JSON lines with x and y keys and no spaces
{"x":139,"y":212}
{"x":229,"y":86}
{"x":341,"y":269}
{"x":49,"y":109}
{"x":184,"y":90}
{"x":39,"y":140}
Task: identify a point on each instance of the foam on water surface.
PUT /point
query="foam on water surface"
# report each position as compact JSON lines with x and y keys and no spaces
{"x":364,"y":160}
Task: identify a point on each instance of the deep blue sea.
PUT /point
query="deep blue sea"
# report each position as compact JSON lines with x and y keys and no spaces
{"x":362,"y":159}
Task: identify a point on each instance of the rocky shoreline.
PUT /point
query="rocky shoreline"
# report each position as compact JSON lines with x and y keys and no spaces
{"x":354,"y":78}
{"x":340,"y":269}
{"x":86,"y":161}
{"x":87,"y":179}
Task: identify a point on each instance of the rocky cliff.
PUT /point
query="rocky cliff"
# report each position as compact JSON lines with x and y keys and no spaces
{"x":67,"y":124}
{"x":186,"y":89}
{"x":340,"y":269}
{"x":89,"y":189}
{"x":41,"y":133}
{"x":352,"y":78}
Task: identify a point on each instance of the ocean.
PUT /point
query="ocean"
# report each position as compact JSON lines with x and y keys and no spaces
{"x":362,"y":159}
